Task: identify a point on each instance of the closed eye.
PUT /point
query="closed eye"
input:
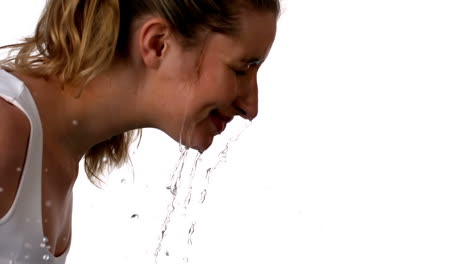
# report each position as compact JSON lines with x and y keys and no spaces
{"x":240,"y":73}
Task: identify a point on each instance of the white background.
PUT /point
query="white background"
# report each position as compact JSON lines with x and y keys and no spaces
{"x":359,"y":153}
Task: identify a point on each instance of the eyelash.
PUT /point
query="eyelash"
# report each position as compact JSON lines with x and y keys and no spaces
{"x":240,"y":73}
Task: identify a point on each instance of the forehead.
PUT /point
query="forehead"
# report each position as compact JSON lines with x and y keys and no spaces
{"x":258,"y":29}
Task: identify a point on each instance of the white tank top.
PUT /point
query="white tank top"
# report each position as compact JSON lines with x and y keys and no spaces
{"x":22,"y":238}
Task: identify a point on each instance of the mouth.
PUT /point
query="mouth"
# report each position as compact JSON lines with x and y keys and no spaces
{"x":219,"y":120}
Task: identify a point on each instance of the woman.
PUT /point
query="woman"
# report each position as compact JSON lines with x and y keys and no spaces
{"x":95,"y":71}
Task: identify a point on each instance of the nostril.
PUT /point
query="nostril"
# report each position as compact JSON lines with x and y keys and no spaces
{"x":241,"y":111}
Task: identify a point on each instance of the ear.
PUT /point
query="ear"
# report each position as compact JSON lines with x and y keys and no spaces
{"x":153,"y":41}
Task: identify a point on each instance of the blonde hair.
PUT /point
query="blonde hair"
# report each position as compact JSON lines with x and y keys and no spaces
{"x":76,"y":40}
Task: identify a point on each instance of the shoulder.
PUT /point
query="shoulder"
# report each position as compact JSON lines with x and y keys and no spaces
{"x":14,"y":133}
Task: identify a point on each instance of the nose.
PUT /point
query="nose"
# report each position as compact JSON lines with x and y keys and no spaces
{"x":247,"y":101}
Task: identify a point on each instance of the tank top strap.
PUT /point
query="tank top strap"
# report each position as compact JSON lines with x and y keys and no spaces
{"x":26,"y":208}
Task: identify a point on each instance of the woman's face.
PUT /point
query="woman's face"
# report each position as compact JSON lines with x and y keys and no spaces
{"x":207,"y":87}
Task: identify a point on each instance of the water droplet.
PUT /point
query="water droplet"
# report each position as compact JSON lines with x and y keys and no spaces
{"x":105,"y":159}
{"x":45,"y":257}
{"x":46,"y":170}
{"x":203,"y":196}
{"x":10,"y":262}
{"x":1,"y":189}
{"x":19,"y":169}
{"x":135,"y":216}
{"x":123,"y":181}
{"x":188,"y":200}
{"x":27,"y":245}
{"x":192,"y":229}
{"x":44,"y":242}
{"x":48,"y":203}
{"x":167,"y":253}
{"x":46,"y":220}
{"x":75,"y":122}
{"x":26,"y":256}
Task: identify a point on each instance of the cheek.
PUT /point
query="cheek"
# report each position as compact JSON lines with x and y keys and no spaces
{"x":215,"y":90}
{"x":218,"y":88}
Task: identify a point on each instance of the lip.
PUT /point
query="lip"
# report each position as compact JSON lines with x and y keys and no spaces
{"x":220,"y":121}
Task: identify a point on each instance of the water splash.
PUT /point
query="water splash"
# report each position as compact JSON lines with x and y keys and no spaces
{"x":190,"y":233}
{"x":175,"y":177}
{"x":188,"y":198}
{"x":236,"y":138}
{"x":1,"y":189}
{"x":175,"y":180}
{"x":135,"y":216}
{"x":175,"y":188}
{"x":222,"y":158}
{"x":203,"y":196}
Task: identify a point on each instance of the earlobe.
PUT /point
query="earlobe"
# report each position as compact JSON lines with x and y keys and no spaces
{"x":153,"y":41}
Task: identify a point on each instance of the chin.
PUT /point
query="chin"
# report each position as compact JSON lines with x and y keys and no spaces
{"x":200,"y":136}
{"x":202,"y":144}
{"x":199,"y":141}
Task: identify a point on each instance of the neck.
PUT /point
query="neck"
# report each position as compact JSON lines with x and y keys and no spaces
{"x":107,"y":106}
